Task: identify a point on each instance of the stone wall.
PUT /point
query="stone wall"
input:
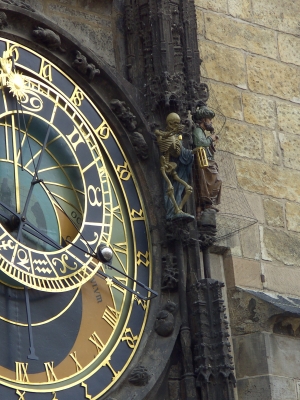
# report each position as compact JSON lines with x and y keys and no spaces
{"x":251,"y":62}
{"x":90,"y":21}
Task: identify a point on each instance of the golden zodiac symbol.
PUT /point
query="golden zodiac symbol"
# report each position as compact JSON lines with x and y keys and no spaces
{"x":65,"y":266}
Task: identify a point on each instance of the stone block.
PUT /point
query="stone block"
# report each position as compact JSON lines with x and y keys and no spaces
{"x":227,"y":100}
{"x":216,"y":267}
{"x":250,"y":356}
{"x":282,"y":279}
{"x":283,"y":355}
{"x":241,"y":139}
{"x":271,"y":147}
{"x":289,"y":48}
{"x":240,"y":9}
{"x":273,"y":78}
{"x":264,"y":254}
{"x":223,"y":64}
{"x":241,"y":35}
{"x":268,"y":180}
{"x":282,"y":388}
{"x":232,"y":242}
{"x":274,"y":213}
{"x":288,"y":117}
{"x":254,"y":388}
{"x":255,"y":202}
{"x":259,"y":110}
{"x":218,"y":6}
{"x":292,"y":212}
{"x":290,"y":145}
{"x":242,"y":272}
{"x":282,"y":15}
{"x":282,"y":246}
{"x":250,"y":242}
{"x":200,"y":22}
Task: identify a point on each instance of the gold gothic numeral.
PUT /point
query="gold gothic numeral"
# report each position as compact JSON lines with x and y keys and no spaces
{"x":141,"y":302}
{"x":137,"y":215}
{"x":124,"y":172}
{"x":87,"y":396}
{"x":111,"y":316}
{"x":49,"y":367}
{"x":74,"y":358}
{"x":21,"y":395}
{"x":54,"y":396}
{"x":108,"y":364}
{"x":21,"y":372}
{"x":46,"y":70}
{"x":97,"y":342}
{"x":103,"y":131}
{"x":143,"y":258}
{"x":77,"y":97}
{"x":75,"y":138}
{"x":130,"y":338}
{"x":12,"y":50}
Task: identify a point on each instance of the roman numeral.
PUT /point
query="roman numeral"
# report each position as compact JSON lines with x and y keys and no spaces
{"x":21,"y":395}
{"x":111,"y":316}
{"x":21,"y":372}
{"x":97,"y":342}
{"x":50,"y":371}
{"x":74,"y":358}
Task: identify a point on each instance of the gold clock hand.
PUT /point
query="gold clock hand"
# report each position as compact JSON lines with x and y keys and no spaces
{"x":15,"y":160}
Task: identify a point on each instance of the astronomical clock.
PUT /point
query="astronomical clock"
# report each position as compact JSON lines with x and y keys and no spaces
{"x":75,"y":252}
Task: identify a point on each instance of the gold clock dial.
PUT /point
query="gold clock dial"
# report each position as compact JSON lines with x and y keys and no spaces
{"x":66,"y":187}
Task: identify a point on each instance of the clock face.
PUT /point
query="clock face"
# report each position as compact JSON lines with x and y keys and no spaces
{"x":65,"y":188}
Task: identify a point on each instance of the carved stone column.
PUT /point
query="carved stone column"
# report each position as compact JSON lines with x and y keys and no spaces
{"x":211,"y":349}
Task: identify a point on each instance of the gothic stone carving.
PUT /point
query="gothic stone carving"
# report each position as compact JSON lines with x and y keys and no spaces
{"x":87,"y":69}
{"x":211,"y":348}
{"x":170,"y":273}
{"x":165,"y":321}
{"x":139,"y":376}
{"x":162,"y":53}
{"x":49,"y":38}
{"x":129,"y":122}
{"x":19,"y":4}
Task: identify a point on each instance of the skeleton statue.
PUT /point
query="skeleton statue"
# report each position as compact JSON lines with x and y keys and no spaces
{"x":175,"y":165}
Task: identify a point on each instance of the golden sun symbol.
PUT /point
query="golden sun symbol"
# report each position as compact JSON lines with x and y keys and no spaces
{"x":16,"y":83}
